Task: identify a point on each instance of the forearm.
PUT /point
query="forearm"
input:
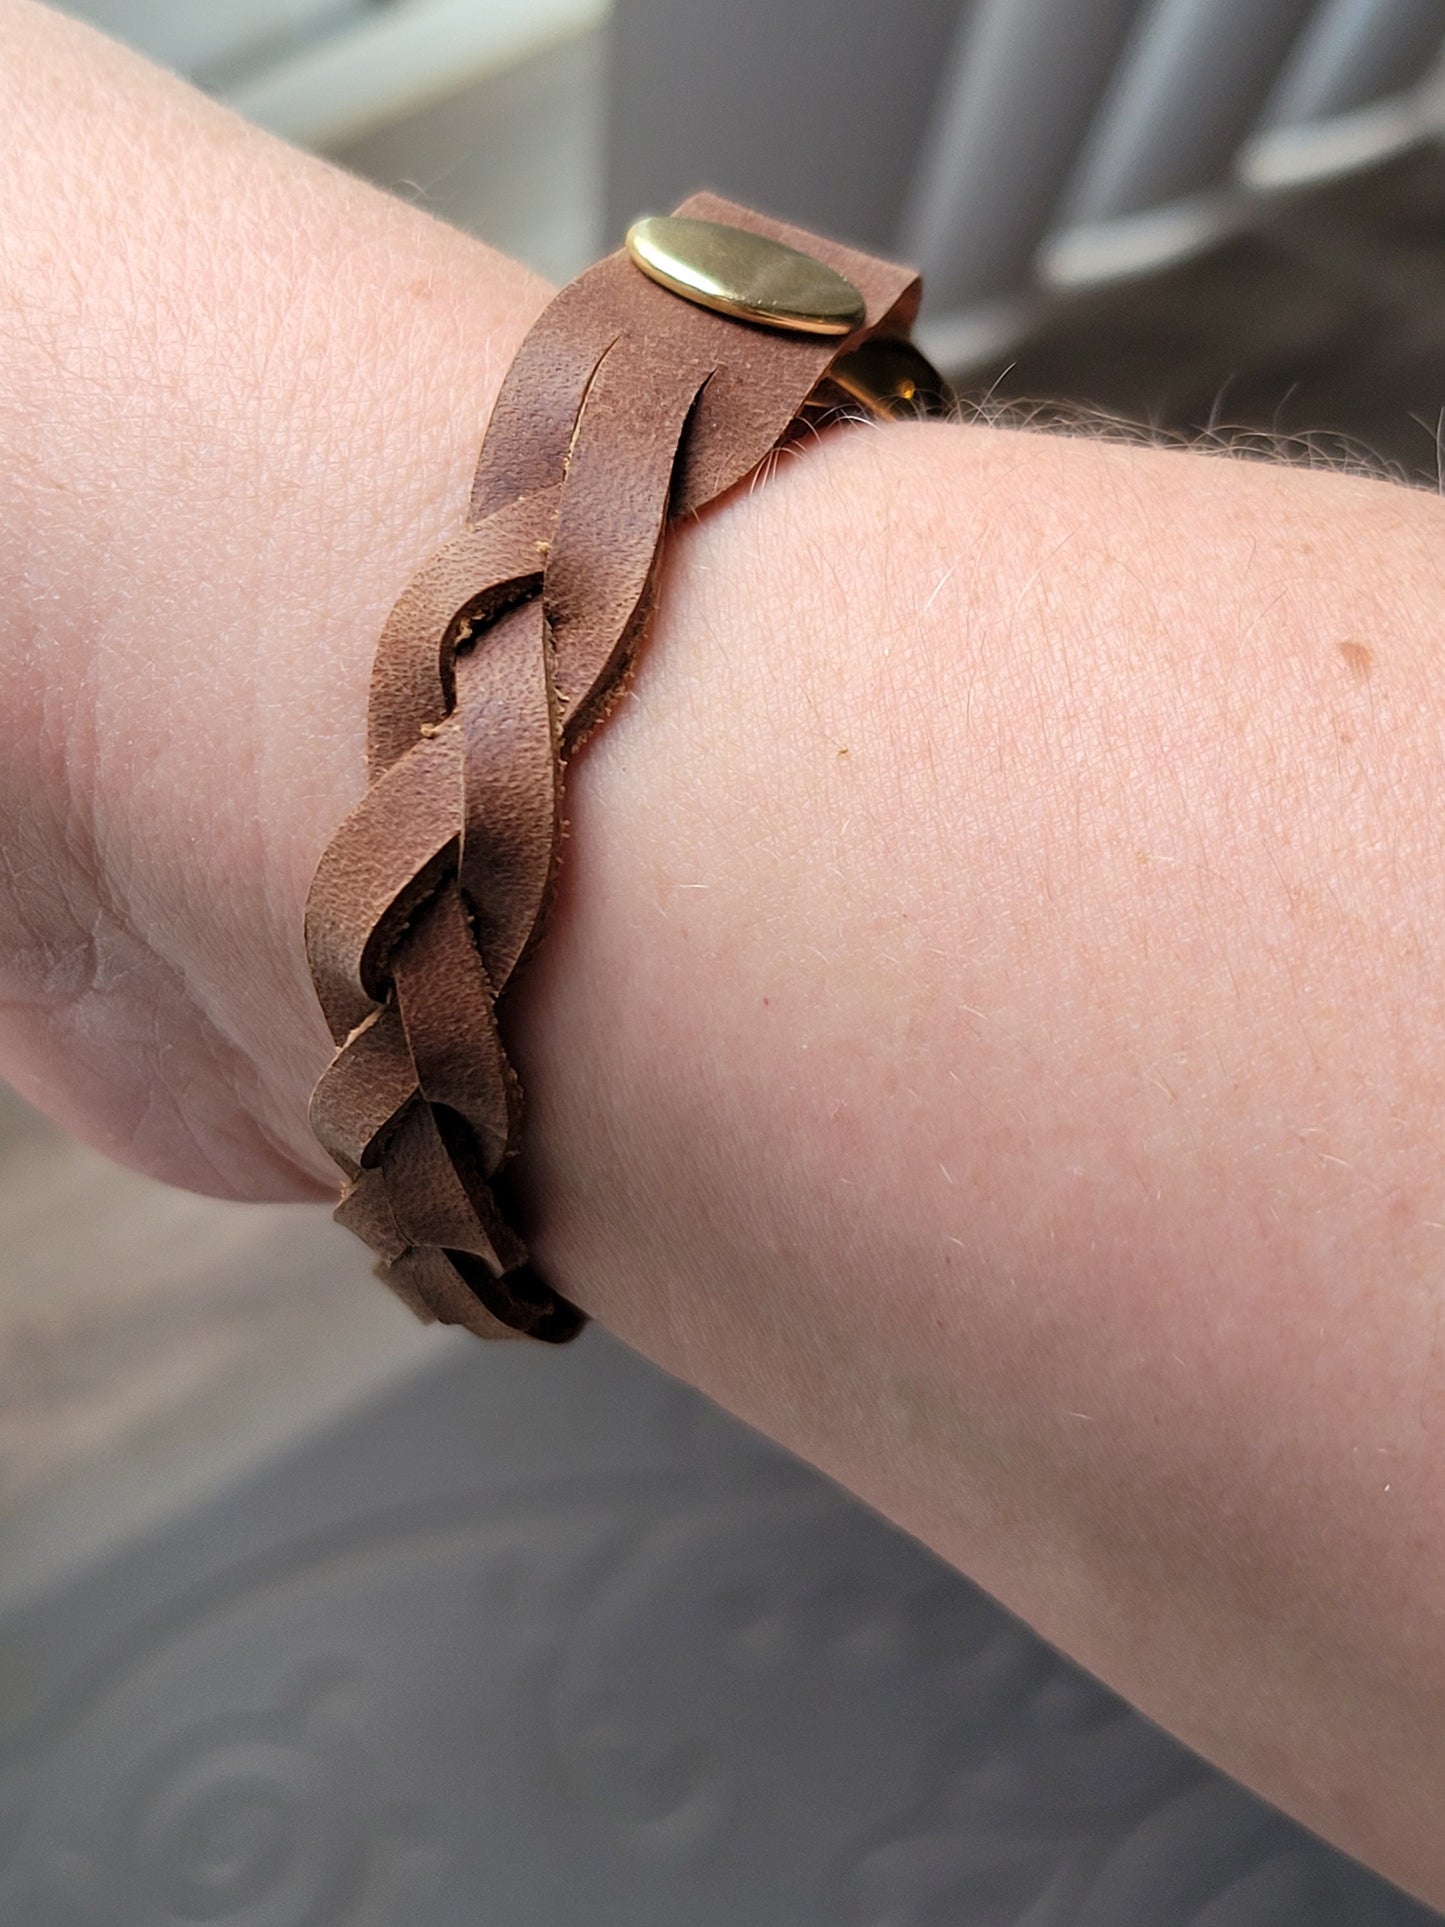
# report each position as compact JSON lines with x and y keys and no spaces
{"x":988,"y":1035}
{"x":993,"y":1043}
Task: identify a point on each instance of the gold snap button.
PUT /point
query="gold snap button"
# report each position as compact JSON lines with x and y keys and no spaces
{"x":894,"y":379}
{"x":745,"y":275}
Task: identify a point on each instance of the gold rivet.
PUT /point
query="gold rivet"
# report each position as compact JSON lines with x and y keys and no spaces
{"x":892,"y":378}
{"x":745,"y":275}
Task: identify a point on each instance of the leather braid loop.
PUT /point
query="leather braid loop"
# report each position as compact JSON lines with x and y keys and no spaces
{"x":625,"y":407}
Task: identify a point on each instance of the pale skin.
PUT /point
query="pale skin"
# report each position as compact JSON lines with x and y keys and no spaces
{"x":992,"y":1036}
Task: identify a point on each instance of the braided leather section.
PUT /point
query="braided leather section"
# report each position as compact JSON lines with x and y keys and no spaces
{"x":626,"y":407}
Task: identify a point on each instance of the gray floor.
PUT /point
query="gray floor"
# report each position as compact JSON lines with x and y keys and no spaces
{"x":128,"y":1308}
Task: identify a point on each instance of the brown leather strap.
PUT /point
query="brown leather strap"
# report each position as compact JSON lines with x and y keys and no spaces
{"x":625,"y":408}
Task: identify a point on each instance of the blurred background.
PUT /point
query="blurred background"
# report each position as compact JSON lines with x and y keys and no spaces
{"x":312,"y":1618}
{"x":1190,"y":212}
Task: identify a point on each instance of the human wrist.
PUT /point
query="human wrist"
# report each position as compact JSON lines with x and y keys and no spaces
{"x":236,"y":421}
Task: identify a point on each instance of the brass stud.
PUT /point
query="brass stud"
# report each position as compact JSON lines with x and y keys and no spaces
{"x":745,"y":275}
{"x":892,"y":378}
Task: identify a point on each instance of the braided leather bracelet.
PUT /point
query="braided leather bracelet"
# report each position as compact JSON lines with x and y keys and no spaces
{"x":651,"y":385}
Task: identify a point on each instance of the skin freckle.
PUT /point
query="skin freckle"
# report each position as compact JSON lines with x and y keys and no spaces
{"x":1358,"y":659}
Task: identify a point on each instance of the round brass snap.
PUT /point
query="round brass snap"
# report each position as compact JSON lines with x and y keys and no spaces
{"x":745,"y":275}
